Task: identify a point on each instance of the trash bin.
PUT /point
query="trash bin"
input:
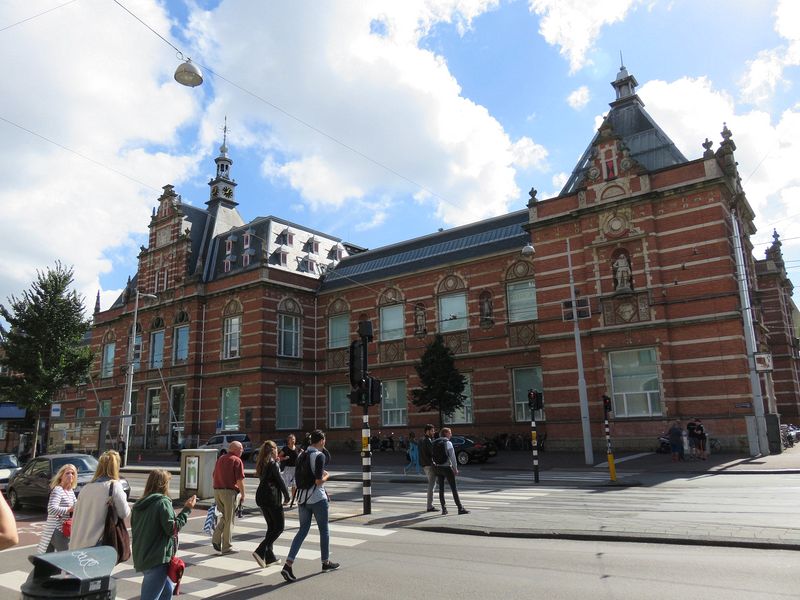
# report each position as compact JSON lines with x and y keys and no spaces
{"x":197,"y":472}
{"x":86,"y":575}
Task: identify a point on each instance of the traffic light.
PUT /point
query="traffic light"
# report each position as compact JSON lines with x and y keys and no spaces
{"x":375,"y":390}
{"x":355,"y":363}
{"x":607,"y":404}
{"x":357,"y":396}
{"x":535,"y":400}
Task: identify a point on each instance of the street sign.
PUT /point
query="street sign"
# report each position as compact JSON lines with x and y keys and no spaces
{"x":763,"y":361}
{"x":55,"y":411}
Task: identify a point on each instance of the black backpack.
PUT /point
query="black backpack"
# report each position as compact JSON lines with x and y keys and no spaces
{"x":303,"y":474}
{"x":439,"y":452}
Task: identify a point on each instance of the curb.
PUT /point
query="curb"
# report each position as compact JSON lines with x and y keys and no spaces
{"x":609,"y":537}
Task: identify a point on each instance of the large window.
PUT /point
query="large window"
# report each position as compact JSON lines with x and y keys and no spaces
{"x":521,"y":301}
{"x":105,"y":408}
{"x":392,"y":325}
{"x":524,"y":380}
{"x":229,"y":410}
{"x":453,"y":312}
{"x":634,"y":381}
{"x":289,"y":335}
{"x":231,"y":332}
{"x":137,"y":352}
{"x":107,"y":368}
{"x":180,"y":342}
{"x":157,"y":349}
{"x":288,"y":409}
{"x":339,"y":331}
{"x":339,"y":407}
{"x":394,"y":406}
{"x":465,"y":413}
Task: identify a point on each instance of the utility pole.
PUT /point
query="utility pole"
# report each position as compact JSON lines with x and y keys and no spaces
{"x":535,"y":402}
{"x":612,"y":469}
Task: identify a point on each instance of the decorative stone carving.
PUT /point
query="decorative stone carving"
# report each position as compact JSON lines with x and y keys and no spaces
{"x":420,"y":327}
{"x":621,"y":266}
{"x":626,"y":309}
{"x":457,"y":342}
{"x":486,"y":309}
{"x":337,"y":358}
{"x":521,"y":335}
{"x":389,"y":352}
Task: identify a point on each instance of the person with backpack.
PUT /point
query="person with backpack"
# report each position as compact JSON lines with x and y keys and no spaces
{"x":445,"y":465}
{"x":425,"y":449}
{"x":312,"y":499}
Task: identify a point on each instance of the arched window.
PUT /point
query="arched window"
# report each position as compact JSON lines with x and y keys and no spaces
{"x":289,"y":324}
{"x":232,"y":329}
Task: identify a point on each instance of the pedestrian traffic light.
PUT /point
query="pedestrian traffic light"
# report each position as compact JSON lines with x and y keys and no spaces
{"x":357,"y":396}
{"x":607,"y":404}
{"x":535,"y":400}
{"x":375,"y":390}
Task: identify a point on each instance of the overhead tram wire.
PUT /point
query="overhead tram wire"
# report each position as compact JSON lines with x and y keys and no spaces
{"x":295,"y":118}
{"x":31,"y":18}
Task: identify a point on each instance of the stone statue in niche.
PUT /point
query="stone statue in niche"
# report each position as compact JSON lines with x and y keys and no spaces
{"x":486,"y":306}
{"x":622,"y":273}
{"x":419,"y":320}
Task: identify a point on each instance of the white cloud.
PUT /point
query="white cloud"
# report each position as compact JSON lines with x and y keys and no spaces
{"x":393,"y":116}
{"x":574,"y":25}
{"x":90,"y":78}
{"x":579,"y":98}
{"x":529,"y":155}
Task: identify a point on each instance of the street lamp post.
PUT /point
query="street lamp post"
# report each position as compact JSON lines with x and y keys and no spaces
{"x":126,"y":409}
{"x":582,"y":396}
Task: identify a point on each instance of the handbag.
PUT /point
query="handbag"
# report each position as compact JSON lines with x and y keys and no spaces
{"x":211,"y":520}
{"x":115,"y":532}
{"x":176,"y":566}
{"x":59,"y":541}
{"x":66,"y":527}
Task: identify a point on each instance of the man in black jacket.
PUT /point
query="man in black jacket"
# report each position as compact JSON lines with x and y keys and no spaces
{"x":425,"y":447}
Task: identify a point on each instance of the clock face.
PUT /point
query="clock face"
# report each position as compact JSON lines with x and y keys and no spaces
{"x":227,"y":192}
{"x":214,"y":191}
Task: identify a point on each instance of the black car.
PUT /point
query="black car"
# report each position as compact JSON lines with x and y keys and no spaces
{"x":31,"y":484}
{"x":468,"y":449}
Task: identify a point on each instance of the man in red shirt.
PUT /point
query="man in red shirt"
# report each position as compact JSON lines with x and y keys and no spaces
{"x":228,"y":483}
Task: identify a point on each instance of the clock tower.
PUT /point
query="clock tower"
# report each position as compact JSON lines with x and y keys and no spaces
{"x":223,"y":188}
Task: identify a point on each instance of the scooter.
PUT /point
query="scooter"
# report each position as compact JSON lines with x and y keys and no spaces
{"x":663,"y":445}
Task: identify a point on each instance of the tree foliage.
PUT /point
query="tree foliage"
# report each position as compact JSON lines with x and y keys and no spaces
{"x":42,"y":347}
{"x":442,"y":383}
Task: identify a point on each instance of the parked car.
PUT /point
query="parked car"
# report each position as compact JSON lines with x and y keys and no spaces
{"x":9,"y":464}
{"x":468,"y":449}
{"x":31,"y":484}
{"x":221,"y":441}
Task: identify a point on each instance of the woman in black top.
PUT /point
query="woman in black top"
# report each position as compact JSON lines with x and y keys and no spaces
{"x":288,"y":460}
{"x":270,"y":491}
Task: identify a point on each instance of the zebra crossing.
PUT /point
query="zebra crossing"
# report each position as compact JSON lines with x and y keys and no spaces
{"x":209,"y":574}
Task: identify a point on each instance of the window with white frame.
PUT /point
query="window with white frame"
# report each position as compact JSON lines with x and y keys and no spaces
{"x":105,"y":408}
{"x":310,"y":264}
{"x":231,"y":335}
{"x":339,"y":403}
{"x":289,"y":335}
{"x":228,"y":246}
{"x":529,"y":378}
{"x":464,"y":414}
{"x":246,"y":239}
{"x":245,"y":260}
{"x":288,"y":408}
{"x":339,"y":331}
{"x":107,"y":368}
{"x":180,"y":342}
{"x":157,"y":349}
{"x":283,"y":258}
{"x":137,"y":352}
{"x":521,"y":301}
{"x":394,"y":405}
{"x":229,"y":409}
{"x":226,"y":265}
{"x":636,"y":391}
{"x":453,"y":312}
{"x":392,"y":324}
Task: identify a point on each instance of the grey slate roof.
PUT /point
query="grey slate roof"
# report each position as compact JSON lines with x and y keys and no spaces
{"x":490,"y":236}
{"x":648,"y":144}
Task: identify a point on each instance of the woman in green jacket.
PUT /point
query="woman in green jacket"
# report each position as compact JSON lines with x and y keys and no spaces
{"x":152,"y":522}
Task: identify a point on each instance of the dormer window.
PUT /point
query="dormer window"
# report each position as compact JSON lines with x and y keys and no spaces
{"x":226,"y":265}
{"x":246,"y":260}
{"x":246,"y":240}
{"x":286,"y":237}
{"x":310,"y":264}
{"x":338,"y":252}
{"x":313,"y":245}
{"x":229,"y":242}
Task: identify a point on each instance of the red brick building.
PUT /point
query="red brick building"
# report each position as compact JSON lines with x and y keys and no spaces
{"x":252,"y":322}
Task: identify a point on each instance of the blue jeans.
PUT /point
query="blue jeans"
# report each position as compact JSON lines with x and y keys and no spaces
{"x":156,"y":585}
{"x":304,"y":512}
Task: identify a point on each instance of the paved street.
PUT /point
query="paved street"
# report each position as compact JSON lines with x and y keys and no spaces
{"x":747,"y":509}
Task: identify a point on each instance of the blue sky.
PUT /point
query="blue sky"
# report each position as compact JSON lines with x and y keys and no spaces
{"x":403,"y":117}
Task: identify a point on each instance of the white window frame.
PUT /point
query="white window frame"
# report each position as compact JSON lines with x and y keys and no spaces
{"x":446,"y":323}
{"x":466,"y":414}
{"x":394,"y":404}
{"x":521,"y":297}
{"x":524,"y":379}
{"x":177,"y":355}
{"x":336,"y":322}
{"x":283,"y":421}
{"x":231,"y":337}
{"x":338,"y":407}
{"x":645,"y":378}
{"x":107,"y":367}
{"x":389,"y":314}
{"x":230,"y":395}
{"x":226,"y":266}
{"x":293,"y":331}
{"x":157,"y":349}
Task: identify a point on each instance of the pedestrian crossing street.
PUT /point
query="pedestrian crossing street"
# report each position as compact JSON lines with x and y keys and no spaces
{"x":208,"y":573}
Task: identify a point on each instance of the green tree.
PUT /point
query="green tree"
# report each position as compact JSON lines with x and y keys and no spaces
{"x":442,"y":383}
{"x":42,"y":347}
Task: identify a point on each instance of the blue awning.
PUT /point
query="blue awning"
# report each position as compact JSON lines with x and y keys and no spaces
{"x":11,"y":411}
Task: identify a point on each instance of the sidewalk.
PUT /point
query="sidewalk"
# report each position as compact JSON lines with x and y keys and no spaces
{"x":580,"y":523}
